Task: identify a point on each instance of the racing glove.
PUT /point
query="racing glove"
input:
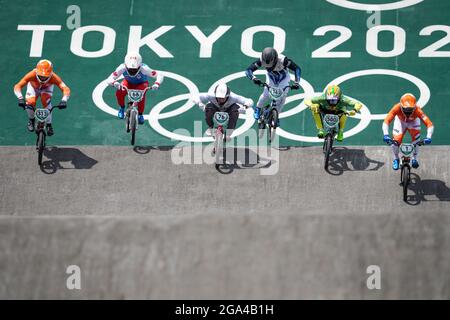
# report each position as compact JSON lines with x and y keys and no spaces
{"x":296,"y":85}
{"x":314,"y":108}
{"x":22,"y":103}
{"x":62,"y":104}
{"x":356,"y":109}
{"x":248,"y":104}
{"x":155,"y":86}
{"x":427,"y":140}
{"x":201,"y":106}
{"x":256,"y":81}
{"x":118,"y":85}
{"x":387,"y":139}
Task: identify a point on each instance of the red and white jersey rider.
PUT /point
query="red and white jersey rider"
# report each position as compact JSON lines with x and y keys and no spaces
{"x":136,"y":75}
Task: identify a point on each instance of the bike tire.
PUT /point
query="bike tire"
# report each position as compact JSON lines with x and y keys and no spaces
{"x":261,"y":128}
{"x":328,"y":144}
{"x":41,"y":140}
{"x":127,"y":125}
{"x":133,"y":127}
{"x":218,"y":146}
{"x":273,"y":124}
{"x":405,"y":181}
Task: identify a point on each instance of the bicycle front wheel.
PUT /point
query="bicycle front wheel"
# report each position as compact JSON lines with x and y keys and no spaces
{"x":273,"y":124}
{"x":327,"y":145}
{"x":41,"y":139}
{"x":133,"y":127}
{"x":405,"y":181}
{"x":218,"y":146}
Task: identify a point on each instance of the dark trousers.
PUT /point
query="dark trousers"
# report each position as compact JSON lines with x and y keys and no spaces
{"x":233,"y":112}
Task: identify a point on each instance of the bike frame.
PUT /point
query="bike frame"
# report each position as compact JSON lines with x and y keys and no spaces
{"x":330,"y":126}
{"x":406,"y":149}
{"x":135,"y":96}
{"x":41,"y":115}
{"x":266,"y":118}
{"x":330,"y":123}
{"x":220,"y":119}
{"x":275,"y":98}
{"x":132,"y":113}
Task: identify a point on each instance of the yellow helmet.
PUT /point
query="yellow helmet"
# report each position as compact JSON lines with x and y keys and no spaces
{"x":333,"y":94}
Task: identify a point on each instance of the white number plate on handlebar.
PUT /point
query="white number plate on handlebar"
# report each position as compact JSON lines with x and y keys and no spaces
{"x":221,"y":118}
{"x":135,"y":95}
{"x":406,"y":148}
{"x":331,"y":119}
{"x":276,"y":93}
{"x":42,"y":114}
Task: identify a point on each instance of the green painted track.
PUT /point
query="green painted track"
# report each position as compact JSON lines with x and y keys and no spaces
{"x":85,"y":124}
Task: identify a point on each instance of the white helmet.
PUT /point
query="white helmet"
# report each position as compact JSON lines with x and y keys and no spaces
{"x":222,"y":92}
{"x":133,"y":63}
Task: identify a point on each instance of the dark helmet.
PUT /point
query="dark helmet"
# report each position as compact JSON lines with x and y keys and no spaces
{"x":269,"y":57}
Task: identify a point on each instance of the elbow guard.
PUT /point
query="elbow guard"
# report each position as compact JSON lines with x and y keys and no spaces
{"x":249,"y":73}
{"x":298,"y":74}
{"x":430,"y":131}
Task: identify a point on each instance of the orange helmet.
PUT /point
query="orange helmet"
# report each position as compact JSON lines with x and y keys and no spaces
{"x":408,"y":103}
{"x":44,"y":71}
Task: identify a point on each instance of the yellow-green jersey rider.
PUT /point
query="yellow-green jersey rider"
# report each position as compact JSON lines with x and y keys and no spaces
{"x":332,"y":101}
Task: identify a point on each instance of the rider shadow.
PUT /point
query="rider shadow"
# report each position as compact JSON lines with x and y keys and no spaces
{"x":343,"y":159}
{"x":423,"y":188}
{"x":243,"y":158}
{"x":147,"y":149}
{"x":57,"y":155}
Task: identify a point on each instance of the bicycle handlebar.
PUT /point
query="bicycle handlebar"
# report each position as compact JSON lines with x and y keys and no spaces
{"x":51,"y":110}
{"x":418,"y":142}
{"x":145,"y":89}
{"x":264,"y":84}
{"x":337,"y":113}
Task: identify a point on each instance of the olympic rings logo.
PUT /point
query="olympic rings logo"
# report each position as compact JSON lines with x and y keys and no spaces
{"x":156,"y":114}
{"x":374,"y":7}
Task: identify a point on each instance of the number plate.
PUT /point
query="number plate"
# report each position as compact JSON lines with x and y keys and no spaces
{"x":135,"y":95}
{"x":407,"y":148}
{"x":42,"y":114}
{"x":276,"y":93}
{"x":331,"y":119}
{"x":221,"y":118}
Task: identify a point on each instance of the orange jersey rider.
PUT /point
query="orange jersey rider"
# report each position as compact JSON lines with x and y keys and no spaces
{"x":40,"y":82}
{"x":407,"y":116}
